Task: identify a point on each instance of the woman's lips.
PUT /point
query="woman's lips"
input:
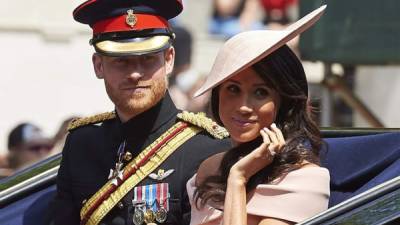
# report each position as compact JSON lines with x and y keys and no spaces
{"x":242,"y":122}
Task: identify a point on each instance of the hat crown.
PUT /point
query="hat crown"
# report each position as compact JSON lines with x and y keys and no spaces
{"x":246,"y":48}
{"x":93,"y":11}
{"x":243,"y":43}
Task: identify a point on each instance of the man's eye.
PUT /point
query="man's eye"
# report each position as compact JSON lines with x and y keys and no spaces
{"x":149,"y":58}
{"x":120,"y":60}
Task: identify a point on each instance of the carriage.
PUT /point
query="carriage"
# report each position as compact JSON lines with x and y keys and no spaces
{"x":365,"y":182}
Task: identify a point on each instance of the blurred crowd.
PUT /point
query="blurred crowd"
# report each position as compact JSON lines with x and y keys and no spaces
{"x":27,"y":142}
{"x":230,"y":17}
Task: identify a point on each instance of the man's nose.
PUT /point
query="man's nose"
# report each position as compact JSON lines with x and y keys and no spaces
{"x":136,"y":71}
{"x":135,"y":75}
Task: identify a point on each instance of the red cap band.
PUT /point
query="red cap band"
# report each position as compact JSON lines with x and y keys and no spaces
{"x":143,"y":21}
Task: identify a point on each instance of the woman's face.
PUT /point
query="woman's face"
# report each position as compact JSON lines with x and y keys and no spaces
{"x":246,"y":105}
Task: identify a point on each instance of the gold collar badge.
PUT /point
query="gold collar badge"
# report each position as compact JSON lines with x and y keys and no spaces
{"x":130,"y":18}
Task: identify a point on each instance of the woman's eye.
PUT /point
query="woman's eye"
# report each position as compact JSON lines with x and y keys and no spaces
{"x":261,"y":92}
{"x":233,"y":88}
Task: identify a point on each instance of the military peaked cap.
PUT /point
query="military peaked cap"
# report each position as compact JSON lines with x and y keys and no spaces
{"x":129,"y":27}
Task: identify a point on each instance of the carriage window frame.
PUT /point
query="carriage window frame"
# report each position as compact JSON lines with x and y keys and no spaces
{"x":379,"y":205}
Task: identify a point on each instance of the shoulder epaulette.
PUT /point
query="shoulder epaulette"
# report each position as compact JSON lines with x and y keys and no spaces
{"x":79,"y":122}
{"x":201,"y":120}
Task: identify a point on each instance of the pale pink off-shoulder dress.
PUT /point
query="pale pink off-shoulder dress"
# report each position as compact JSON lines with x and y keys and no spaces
{"x":301,"y":194}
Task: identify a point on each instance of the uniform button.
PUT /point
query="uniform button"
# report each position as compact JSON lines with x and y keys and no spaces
{"x":84,"y":201}
{"x":127,"y":156}
{"x":120,"y":205}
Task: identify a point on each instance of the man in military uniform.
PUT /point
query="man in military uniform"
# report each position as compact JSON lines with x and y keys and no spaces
{"x":131,"y":166}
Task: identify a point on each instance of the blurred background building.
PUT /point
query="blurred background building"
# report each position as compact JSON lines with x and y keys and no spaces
{"x":47,"y":75}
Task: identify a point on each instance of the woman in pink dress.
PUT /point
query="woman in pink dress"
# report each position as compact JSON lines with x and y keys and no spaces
{"x":272,"y":173}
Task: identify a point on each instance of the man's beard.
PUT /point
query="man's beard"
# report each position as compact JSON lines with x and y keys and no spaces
{"x":137,"y":103}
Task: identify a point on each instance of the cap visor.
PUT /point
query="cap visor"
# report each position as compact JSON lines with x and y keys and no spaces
{"x":133,"y":47}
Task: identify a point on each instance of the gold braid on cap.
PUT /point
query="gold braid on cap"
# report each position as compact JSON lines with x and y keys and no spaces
{"x":201,"y":120}
{"x":91,"y":120}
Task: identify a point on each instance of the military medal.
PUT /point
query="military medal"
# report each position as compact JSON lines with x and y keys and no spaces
{"x":161,"y":215}
{"x":150,"y":196}
{"x":117,"y":173}
{"x":138,"y":216}
{"x":149,"y":216}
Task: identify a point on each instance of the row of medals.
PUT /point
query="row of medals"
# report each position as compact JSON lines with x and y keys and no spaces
{"x":141,"y":214}
{"x":148,"y":216}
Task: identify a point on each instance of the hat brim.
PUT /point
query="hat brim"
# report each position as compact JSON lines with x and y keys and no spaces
{"x":247,"y":48}
{"x":135,"y":46}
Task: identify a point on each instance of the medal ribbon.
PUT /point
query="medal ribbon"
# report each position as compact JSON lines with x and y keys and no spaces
{"x":109,"y":195}
{"x":155,"y":196}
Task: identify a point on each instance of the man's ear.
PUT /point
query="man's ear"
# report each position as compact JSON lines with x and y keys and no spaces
{"x":169,"y":59}
{"x":98,"y":65}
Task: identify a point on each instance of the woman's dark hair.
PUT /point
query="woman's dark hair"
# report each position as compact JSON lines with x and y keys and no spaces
{"x":283,"y":72}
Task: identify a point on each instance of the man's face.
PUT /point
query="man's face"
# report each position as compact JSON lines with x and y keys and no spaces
{"x":135,"y":83}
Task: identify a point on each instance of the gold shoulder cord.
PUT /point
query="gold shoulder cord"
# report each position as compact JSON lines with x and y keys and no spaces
{"x":91,"y":120}
{"x":142,"y":172}
{"x":201,"y":120}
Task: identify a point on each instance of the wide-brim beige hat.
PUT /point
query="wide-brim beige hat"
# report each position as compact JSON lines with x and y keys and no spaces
{"x":247,"y":48}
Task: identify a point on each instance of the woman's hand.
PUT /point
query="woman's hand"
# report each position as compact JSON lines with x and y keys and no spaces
{"x":246,"y":167}
{"x":235,"y":212}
